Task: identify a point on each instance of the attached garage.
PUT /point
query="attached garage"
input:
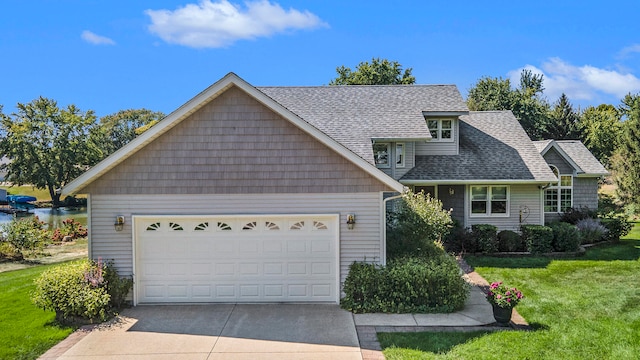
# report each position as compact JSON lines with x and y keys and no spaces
{"x":249,"y":258}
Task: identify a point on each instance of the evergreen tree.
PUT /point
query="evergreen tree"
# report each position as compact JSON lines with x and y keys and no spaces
{"x":563,"y":121}
{"x":626,"y":161}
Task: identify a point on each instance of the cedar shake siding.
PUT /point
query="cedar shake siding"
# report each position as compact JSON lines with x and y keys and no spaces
{"x":234,"y":145}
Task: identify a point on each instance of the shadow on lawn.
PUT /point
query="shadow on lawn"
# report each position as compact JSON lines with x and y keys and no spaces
{"x":625,"y":250}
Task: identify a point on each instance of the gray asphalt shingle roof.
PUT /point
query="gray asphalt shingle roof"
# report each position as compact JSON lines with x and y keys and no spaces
{"x":493,"y":146}
{"x":578,"y":153}
{"x":354,"y":115}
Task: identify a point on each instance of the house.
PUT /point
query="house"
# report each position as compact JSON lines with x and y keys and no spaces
{"x":268,"y":194}
{"x":578,"y":173}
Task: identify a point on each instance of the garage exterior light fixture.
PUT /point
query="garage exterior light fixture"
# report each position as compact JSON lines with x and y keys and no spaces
{"x":119,"y":224}
{"x":351,"y":221}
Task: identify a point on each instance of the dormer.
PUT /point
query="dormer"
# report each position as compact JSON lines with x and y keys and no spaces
{"x":444,"y":128}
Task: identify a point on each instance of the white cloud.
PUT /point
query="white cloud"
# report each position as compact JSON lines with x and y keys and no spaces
{"x":217,"y":24}
{"x":93,"y":38}
{"x":584,"y":82}
{"x":627,"y":51}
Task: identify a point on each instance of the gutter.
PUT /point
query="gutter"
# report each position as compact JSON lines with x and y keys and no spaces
{"x":383,"y":213}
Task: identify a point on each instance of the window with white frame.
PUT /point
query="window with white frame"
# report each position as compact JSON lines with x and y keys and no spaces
{"x":381,"y":154}
{"x":559,"y":196}
{"x":400,"y":155}
{"x":441,"y":129}
{"x":489,"y":200}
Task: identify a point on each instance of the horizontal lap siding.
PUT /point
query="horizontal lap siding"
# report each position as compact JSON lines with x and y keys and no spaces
{"x":361,"y":243}
{"x":585,"y":192}
{"x":523,"y":197}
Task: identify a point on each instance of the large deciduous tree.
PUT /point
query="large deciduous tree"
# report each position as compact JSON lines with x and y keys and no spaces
{"x":601,"y":130}
{"x":116,"y":130}
{"x":625,"y":162}
{"x":46,"y":146}
{"x":526,"y":101}
{"x":378,"y":72}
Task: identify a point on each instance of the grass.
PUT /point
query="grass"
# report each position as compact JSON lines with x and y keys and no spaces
{"x":583,"y":308}
{"x":26,"y":332}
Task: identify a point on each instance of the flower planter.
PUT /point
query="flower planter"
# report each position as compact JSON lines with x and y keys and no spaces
{"x":502,"y":315}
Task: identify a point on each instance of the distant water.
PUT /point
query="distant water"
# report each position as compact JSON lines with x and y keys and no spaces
{"x":52,"y":217}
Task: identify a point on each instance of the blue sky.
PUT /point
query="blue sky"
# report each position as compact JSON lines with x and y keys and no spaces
{"x":113,"y":55}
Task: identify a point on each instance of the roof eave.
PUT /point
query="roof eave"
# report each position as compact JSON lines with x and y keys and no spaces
{"x":476,"y":182}
{"x":444,"y":113}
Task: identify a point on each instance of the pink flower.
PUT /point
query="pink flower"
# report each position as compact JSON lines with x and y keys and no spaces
{"x":508,"y":300}
{"x":508,"y":293}
{"x":498,"y":296}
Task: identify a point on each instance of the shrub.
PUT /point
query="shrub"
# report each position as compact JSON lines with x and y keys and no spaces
{"x":405,"y":285}
{"x":591,"y":230}
{"x":70,"y":229}
{"x":573,"y":215}
{"x":460,"y":240}
{"x":486,"y":236}
{"x":538,"y":238}
{"x":566,"y":237}
{"x":25,"y":235}
{"x":509,"y":241}
{"x":418,"y":222}
{"x":84,"y":289}
{"x":617,"y":226}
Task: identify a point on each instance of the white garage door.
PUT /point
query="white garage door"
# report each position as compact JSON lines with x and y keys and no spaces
{"x":292,"y":258}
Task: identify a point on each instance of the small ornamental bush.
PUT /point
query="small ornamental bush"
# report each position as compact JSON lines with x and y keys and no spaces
{"x":510,"y":241}
{"x":81,"y":289}
{"x":406,"y":285}
{"x":70,"y":230}
{"x":566,"y":237}
{"x":591,"y":230}
{"x":573,"y":215}
{"x":418,"y":224}
{"x":25,"y":235}
{"x":460,"y":240}
{"x":503,"y":296}
{"x":538,"y":238}
{"x":617,"y":226}
{"x":486,"y":236}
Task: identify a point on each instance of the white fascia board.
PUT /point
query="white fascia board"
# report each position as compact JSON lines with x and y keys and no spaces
{"x":199,"y":101}
{"x":567,"y":158}
{"x":474,"y":182}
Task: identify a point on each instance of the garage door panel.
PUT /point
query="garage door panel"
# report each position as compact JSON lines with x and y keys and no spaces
{"x":249,"y":258}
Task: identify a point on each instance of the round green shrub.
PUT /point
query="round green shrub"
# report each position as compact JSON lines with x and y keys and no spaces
{"x":510,"y":241}
{"x":486,"y":236}
{"x":566,"y":237}
{"x":538,"y":238}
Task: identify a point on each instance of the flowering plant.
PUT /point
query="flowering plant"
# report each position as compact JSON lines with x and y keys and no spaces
{"x":503,"y":296}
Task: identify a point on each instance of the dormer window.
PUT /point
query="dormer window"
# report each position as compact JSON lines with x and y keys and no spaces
{"x":399,"y":155}
{"x":381,"y":154}
{"x":441,"y":129}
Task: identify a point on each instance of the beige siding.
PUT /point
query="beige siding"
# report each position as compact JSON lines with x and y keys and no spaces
{"x":552,"y":157}
{"x":361,"y":243}
{"x":235,"y":145}
{"x":440,"y":148}
{"x":525,"y":198}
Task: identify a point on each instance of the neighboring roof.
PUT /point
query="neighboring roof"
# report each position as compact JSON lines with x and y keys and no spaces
{"x":576,"y":154}
{"x":202,"y":99}
{"x":493,"y":148}
{"x":354,"y":115}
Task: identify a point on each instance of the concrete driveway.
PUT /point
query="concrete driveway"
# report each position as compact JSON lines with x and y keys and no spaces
{"x":224,"y":331}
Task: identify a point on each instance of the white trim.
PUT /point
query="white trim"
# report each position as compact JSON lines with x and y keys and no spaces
{"x":199,"y":101}
{"x":566,"y":157}
{"x":402,"y":165}
{"x":488,"y":201}
{"x":472,"y":182}
{"x":89,"y":242}
{"x":439,"y":130}
{"x":388,"y":153}
{"x":335,"y":217}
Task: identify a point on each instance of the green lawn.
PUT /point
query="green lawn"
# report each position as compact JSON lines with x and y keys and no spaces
{"x":585,"y":308}
{"x":26,"y":332}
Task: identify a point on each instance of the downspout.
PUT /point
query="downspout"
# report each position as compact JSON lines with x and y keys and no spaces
{"x":383,"y":212}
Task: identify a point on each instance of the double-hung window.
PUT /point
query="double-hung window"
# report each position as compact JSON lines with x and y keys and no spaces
{"x":382,"y":154}
{"x":559,"y":196}
{"x":441,"y":129}
{"x":490,"y":200}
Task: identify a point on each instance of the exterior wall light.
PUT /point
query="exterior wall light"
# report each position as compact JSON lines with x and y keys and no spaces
{"x":119,"y":224}
{"x":451,"y":191}
{"x":351,"y":221}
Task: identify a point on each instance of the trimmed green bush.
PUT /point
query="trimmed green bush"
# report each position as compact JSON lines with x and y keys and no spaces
{"x":418,"y":225}
{"x":486,"y":236}
{"x":81,"y":289}
{"x":538,"y":238}
{"x":617,"y":226}
{"x":566,"y":237}
{"x":406,"y":285}
{"x":510,"y":241}
{"x":460,"y":240}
